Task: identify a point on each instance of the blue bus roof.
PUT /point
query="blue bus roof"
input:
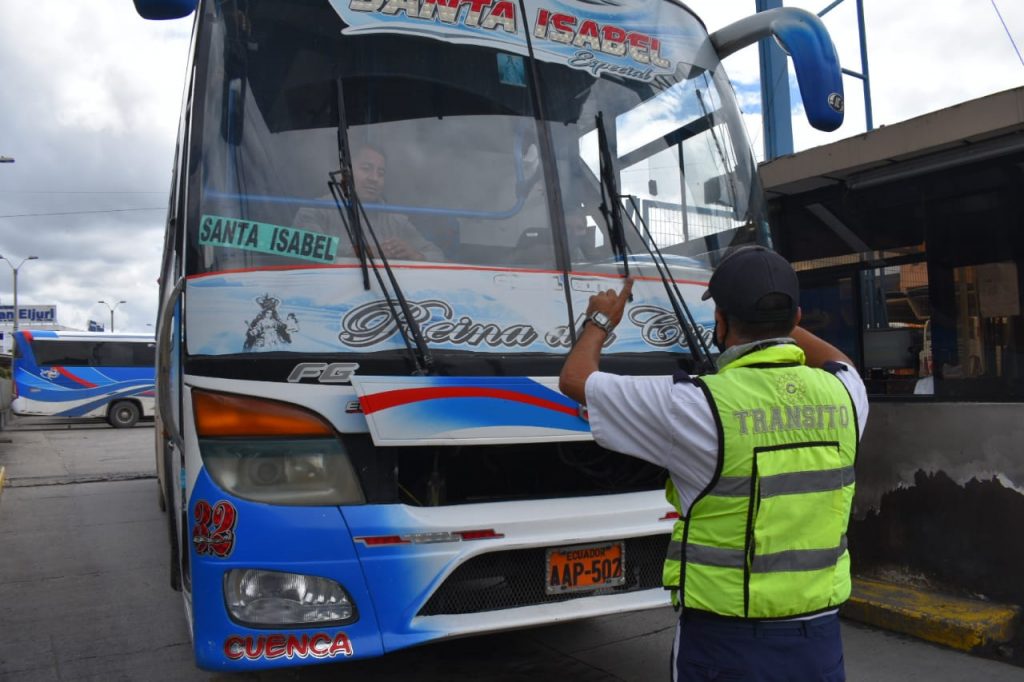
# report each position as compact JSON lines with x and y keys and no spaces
{"x":86,"y":336}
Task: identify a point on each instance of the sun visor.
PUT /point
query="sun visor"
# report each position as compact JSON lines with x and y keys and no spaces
{"x":468,"y":410}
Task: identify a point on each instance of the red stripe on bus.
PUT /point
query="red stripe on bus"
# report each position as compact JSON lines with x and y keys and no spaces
{"x":453,"y":268}
{"x":387,"y":399}
{"x":77,"y":380}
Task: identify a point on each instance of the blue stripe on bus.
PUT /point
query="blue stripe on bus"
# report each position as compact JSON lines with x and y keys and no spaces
{"x":109,"y":398}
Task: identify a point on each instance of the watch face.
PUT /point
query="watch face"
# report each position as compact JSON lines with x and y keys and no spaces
{"x":601,"y":319}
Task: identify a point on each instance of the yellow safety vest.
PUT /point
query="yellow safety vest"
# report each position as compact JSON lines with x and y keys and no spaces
{"x":767,"y":537}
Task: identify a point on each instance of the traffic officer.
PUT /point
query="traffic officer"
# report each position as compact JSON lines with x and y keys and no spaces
{"x":760,"y":458}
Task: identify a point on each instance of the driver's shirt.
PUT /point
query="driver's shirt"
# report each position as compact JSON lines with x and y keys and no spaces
{"x":383,"y":225}
{"x":670,"y":424}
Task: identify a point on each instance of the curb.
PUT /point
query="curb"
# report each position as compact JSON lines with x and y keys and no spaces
{"x":964,"y":624}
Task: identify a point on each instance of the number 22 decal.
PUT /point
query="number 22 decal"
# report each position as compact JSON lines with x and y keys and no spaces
{"x":214,"y":530}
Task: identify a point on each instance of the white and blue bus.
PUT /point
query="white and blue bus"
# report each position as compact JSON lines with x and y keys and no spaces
{"x":386,"y":219}
{"x":84,"y":374}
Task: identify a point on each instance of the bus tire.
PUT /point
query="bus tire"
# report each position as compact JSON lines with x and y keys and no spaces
{"x":123,"y":414}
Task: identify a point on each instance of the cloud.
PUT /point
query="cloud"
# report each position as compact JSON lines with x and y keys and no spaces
{"x":89,"y":110}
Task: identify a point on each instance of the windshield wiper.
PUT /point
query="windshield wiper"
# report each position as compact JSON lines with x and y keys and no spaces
{"x":609,"y":187}
{"x":700,"y":350}
{"x":353,"y":215}
{"x":617,"y":236}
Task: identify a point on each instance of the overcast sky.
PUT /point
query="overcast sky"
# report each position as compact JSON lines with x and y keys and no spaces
{"x":90,"y":97}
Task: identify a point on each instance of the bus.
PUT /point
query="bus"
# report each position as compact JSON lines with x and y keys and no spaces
{"x":84,"y":374}
{"x":386,"y":219}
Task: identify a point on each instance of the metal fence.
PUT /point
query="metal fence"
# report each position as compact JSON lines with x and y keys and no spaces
{"x":667,"y":224}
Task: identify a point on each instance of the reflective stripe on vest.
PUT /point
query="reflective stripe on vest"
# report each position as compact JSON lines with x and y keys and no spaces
{"x":767,"y":539}
{"x":789,"y":560}
{"x":785,"y":484}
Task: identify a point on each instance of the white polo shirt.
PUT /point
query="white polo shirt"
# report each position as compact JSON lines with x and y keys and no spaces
{"x":670,"y":424}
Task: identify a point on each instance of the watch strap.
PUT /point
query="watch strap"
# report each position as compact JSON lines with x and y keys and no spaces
{"x":606,"y":327}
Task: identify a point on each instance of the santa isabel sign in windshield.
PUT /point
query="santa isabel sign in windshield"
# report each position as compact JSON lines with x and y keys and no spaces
{"x":640,"y":40}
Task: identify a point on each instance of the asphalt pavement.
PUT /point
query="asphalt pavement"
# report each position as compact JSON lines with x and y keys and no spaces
{"x":84,"y":593}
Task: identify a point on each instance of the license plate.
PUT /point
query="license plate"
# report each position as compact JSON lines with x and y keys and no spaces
{"x":585,"y":567}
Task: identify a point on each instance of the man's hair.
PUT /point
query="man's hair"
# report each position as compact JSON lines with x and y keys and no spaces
{"x":360,"y":147}
{"x":755,"y":331}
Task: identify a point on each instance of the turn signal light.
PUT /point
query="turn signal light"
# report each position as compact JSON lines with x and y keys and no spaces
{"x":222,"y":414}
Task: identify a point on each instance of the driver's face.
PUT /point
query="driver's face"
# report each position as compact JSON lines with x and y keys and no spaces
{"x":368,"y":168}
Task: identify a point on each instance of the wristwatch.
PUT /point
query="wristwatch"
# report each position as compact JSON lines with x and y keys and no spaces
{"x":600,"y":320}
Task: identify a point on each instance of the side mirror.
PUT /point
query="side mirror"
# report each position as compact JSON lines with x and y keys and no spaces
{"x":806,"y":40}
{"x":165,"y":9}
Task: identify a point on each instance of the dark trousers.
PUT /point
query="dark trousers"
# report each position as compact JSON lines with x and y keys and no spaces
{"x":709,"y":648}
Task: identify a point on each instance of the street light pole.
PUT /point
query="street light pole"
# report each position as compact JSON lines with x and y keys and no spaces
{"x":112,"y":312}
{"x":15,"y":271}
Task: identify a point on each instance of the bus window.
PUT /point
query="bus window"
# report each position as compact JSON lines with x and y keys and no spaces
{"x":64,"y":353}
{"x":143,"y":354}
{"x":113,"y":355}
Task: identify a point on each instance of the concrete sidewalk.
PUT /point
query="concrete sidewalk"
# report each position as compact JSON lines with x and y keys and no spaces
{"x":971,"y":625}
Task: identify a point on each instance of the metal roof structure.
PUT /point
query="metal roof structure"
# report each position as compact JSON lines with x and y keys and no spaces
{"x":983,"y":128}
{"x":901,"y":186}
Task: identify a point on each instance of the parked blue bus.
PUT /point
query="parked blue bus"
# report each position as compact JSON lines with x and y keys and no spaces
{"x":84,"y":374}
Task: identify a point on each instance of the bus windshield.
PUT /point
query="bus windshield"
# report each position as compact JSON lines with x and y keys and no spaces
{"x":470,"y":136}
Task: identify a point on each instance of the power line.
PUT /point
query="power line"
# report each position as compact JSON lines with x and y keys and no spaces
{"x":109,"y":210}
{"x":78,"y":192}
{"x":1008,"y":34}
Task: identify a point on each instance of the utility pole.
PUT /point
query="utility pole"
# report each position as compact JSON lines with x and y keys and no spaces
{"x":15,"y":271}
{"x":112,"y":312}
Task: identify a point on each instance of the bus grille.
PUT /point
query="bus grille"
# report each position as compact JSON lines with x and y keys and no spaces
{"x":506,"y":580}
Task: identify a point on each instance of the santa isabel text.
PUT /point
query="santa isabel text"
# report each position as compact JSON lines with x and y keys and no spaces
{"x":273,"y":239}
{"x":558,"y":27}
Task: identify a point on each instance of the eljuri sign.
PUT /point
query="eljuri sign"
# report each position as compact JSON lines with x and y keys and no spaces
{"x":29,"y":314}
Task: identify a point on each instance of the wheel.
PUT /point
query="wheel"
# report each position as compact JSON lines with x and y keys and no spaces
{"x":123,"y":414}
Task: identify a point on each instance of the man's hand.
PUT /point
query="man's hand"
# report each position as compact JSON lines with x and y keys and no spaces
{"x":610,"y":303}
{"x":584,"y":357}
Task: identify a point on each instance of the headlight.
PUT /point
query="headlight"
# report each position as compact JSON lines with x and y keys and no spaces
{"x":304,"y":472}
{"x":258,"y":597}
{"x":274,"y":452}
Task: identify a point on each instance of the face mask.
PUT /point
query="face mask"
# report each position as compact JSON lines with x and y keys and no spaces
{"x":720,"y":344}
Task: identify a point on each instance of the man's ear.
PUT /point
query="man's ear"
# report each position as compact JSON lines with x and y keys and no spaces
{"x":721,"y":326}
{"x":799,"y":316}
